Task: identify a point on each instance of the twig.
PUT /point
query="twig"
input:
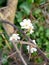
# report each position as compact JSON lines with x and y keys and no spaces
{"x":12,"y":54}
{"x":39,"y":51}
{"x":28,"y":43}
{"x":20,"y":54}
{"x":2,"y":8}
{"x":6,"y":42}
{"x":21,"y":42}
{"x":15,"y":46}
{"x":41,"y":6}
{"x":46,"y":53}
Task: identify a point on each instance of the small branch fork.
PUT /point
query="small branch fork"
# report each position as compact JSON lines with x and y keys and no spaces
{"x":23,"y":42}
{"x":30,"y":42}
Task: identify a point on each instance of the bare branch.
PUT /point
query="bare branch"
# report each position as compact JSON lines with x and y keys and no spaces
{"x":15,"y":46}
{"x":39,"y":51}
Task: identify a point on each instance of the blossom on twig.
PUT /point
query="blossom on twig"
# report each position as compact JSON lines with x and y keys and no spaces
{"x":14,"y":37}
{"x":31,"y":49}
{"x":34,"y":41}
{"x":26,"y":24}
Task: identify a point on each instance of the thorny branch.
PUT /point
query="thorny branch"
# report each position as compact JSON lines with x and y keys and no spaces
{"x":29,"y":40}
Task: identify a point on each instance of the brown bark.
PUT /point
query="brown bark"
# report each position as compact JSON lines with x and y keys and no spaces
{"x":9,"y":14}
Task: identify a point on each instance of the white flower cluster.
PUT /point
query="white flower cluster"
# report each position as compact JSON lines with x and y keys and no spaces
{"x":26,"y":24}
{"x":31,"y":49}
{"x":14,"y":37}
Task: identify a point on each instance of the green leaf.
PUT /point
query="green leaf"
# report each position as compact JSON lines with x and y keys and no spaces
{"x":25,"y":49}
{"x":19,"y":16}
{"x":47,"y":47}
{"x":19,"y":45}
{"x":39,"y":42}
{"x":47,"y":55}
{"x":3,"y":3}
{"x":37,"y":34}
{"x":46,"y":42}
{"x":47,"y":33}
{"x":39,"y":60}
{"x":30,"y":1}
{"x":37,"y":11}
{"x":4,"y":60}
{"x":0,"y":38}
{"x":40,"y":2}
{"x":1,"y":30}
{"x":25,"y":7}
{"x":41,"y":28}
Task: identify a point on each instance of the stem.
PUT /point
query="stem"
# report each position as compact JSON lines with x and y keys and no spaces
{"x":15,"y":45}
{"x":39,"y":51}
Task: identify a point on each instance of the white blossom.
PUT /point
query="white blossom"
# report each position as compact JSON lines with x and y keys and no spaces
{"x":32,"y":49}
{"x":31,"y":31}
{"x":34,"y":41}
{"x":26,"y":24}
{"x":28,"y":48}
{"x":14,"y":37}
